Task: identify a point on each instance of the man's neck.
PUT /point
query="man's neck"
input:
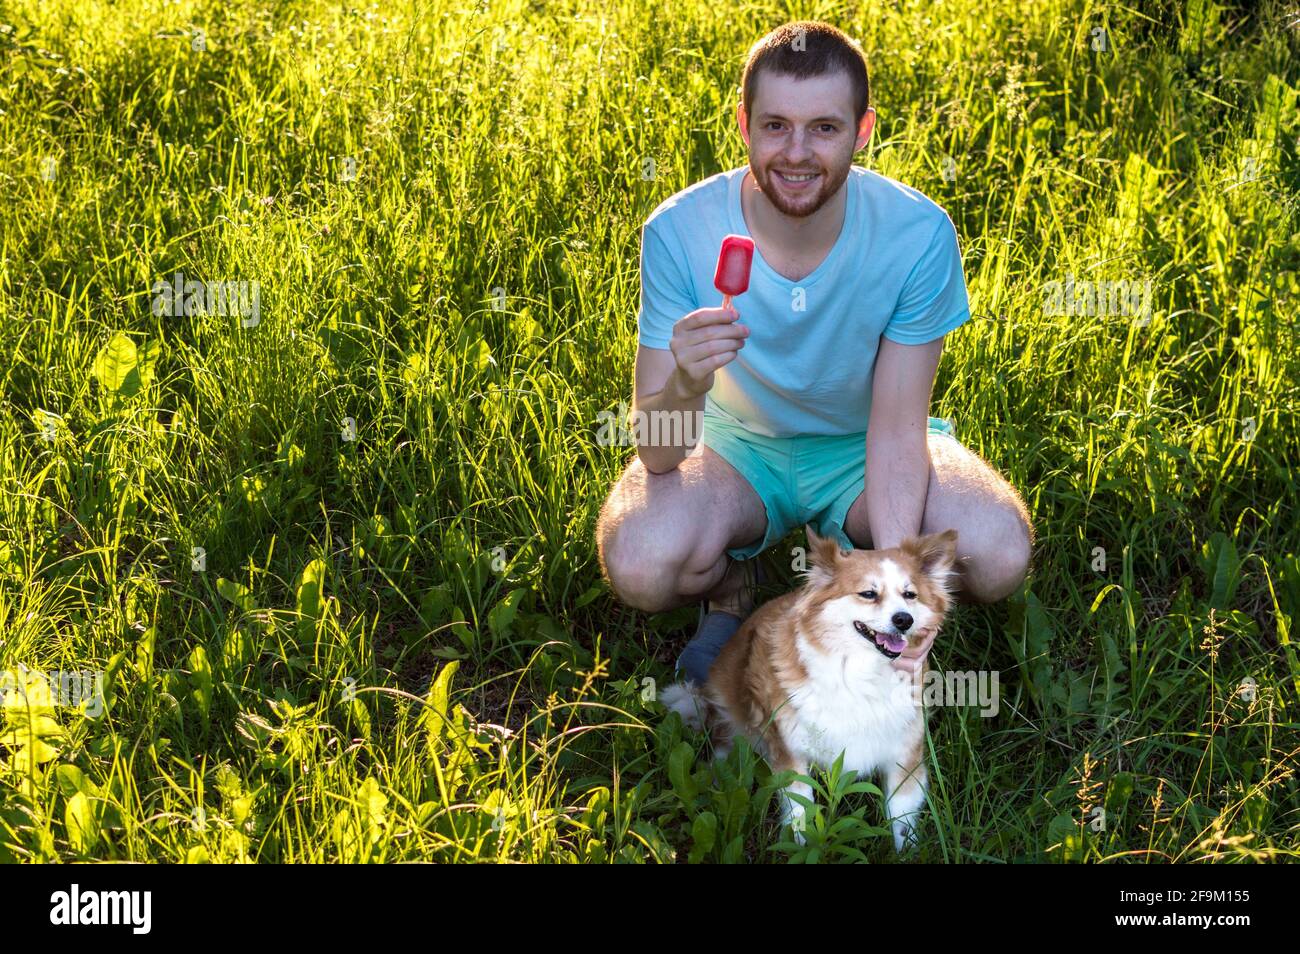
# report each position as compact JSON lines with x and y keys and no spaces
{"x":790,"y":234}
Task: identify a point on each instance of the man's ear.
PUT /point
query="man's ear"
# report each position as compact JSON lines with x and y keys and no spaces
{"x":865,"y":128}
{"x":937,"y":552}
{"x":823,"y":554}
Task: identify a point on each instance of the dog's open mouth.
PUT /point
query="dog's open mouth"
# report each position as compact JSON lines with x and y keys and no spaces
{"x":890,"y":646}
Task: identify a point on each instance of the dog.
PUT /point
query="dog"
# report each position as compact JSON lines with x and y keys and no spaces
{"x":808,"y":675}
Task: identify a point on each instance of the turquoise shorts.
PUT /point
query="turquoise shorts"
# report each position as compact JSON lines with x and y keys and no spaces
{"x":808,"y":478}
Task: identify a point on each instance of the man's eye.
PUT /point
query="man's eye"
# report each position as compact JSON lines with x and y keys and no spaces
{"x":869,"y":594}
{"x":909,"y":595}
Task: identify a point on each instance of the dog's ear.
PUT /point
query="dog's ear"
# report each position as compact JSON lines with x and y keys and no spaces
{"x":823,"y":554}
{"x":936,"y":552}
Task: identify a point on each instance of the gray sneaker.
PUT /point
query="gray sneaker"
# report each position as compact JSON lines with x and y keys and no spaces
{"x":713,"y":631}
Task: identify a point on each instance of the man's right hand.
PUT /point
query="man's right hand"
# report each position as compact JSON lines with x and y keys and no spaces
{"x":702,"y":342}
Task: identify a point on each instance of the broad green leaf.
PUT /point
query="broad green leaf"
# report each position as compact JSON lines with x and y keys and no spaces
{"x":734,"y":853}
{"x":680,"y":761}
{"x":1040,"y":635}
{"x":1064,"y":840}
{"x":310,"y":602}
{"x":72,"y":780}
{"x":201,"y":679}
{"x":116,"y":362}
{"x":35,"y":752}
{"x":434,"y":603}
{"x":236,"y":593}
{"x":26,"y":725}
{"x":238,"y":649}
{"x":359,"y":715}
{"x":501,"y":616}
{"x":241,"y":809}
{"x":147,"y":358}
{"x":459,"y":628}
{"x":592,"y":593}
{"x":414,"y":370}
{"x":479,"y":355}
{"x":1119,"y":791}
{"x":124,"y":369}
{"x":83,"y":827}
{"x":704,"y":834}
{"x":144,"y":649}
{"x":435,"y":711}
{"x":346,"y":835}
{"x":1221,"y":554}
{"x":525,"y":327}
{"x":373,"y":802}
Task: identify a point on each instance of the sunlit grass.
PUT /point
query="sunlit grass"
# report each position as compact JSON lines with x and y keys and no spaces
{"x":336,"y":565}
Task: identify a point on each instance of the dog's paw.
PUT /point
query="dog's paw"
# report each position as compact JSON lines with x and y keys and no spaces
{"x":793,"y":813}
{"x":905,"y":838}
{"x":794,"y":824}
{"x":685,"y":699}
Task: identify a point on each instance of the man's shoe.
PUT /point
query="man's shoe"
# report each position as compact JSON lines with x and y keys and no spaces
{"x":714,"y":630}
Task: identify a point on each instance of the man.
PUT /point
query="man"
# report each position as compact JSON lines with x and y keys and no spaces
{"x":814,"y":387}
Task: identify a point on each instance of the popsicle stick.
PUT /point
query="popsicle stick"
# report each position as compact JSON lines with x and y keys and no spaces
{"x":726,"y":302}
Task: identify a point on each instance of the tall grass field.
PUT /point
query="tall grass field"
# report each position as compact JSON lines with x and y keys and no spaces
{"x":310,"y":315}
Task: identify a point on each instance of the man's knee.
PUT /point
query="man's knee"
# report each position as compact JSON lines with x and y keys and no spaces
{"x":638,"y":575}
{"x":1003,"y":562}
{"x":647,"y":567}
{"x":643,"y":573}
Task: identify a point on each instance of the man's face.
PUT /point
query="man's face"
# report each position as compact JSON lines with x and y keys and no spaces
{"x":802,"y":127}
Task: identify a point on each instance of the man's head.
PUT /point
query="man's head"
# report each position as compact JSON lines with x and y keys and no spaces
{"x":805,"y":108}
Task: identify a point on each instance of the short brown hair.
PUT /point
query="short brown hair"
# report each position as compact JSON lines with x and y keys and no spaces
{"x":804,"y":48}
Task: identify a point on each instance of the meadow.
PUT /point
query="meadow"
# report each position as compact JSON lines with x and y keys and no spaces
{"x":326,"y":553}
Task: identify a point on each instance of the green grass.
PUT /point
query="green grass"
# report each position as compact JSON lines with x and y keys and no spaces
{"x":399,"y":646}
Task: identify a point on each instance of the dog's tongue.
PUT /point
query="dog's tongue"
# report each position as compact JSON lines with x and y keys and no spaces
{"x":895,"y":644}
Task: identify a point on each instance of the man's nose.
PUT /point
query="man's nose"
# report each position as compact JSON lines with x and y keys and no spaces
{"x":902,"y":621}
{"x":800,"y":145}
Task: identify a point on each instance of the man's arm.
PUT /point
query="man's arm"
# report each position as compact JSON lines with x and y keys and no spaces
{"x":898,"y":455}
{"x":657,"y":391}
{"x":679,"y":346}
{"x":671,"y":383}
{"x":932,"y":303}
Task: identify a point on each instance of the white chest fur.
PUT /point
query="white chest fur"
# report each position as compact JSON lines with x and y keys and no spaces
{"x":852,"y":704}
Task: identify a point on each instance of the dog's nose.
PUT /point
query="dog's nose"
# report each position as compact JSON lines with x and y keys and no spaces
{"x":902,"y":621}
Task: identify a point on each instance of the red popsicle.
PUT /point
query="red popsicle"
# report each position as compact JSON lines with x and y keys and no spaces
{"x":732,"y":276}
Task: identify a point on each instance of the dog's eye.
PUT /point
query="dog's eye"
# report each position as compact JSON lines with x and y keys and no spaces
{"x":869,"y":594}
{"x":909,"y":595}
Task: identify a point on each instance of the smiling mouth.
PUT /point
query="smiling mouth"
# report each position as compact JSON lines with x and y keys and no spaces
{"x":890,"y":645}
{"x":797,"y":180}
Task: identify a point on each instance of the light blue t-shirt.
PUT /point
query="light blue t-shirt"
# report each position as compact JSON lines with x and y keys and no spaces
{"x":809,"y":360}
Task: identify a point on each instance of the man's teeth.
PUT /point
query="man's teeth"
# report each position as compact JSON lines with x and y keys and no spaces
{"x":802,"y":178}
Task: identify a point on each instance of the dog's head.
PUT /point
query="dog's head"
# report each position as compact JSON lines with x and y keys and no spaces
{"x":887,"y":599}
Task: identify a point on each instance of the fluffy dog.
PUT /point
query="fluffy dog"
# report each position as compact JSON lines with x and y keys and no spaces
{"x":808,"y":675}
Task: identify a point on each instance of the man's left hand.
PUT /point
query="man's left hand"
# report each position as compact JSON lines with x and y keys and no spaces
{"x":913,"y":657}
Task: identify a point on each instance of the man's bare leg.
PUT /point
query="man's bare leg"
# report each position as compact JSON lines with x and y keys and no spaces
{"x":662,"y":538}
{"x":994,"y":534}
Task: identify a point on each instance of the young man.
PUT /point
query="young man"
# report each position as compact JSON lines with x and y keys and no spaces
{"x":814,"y":387}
